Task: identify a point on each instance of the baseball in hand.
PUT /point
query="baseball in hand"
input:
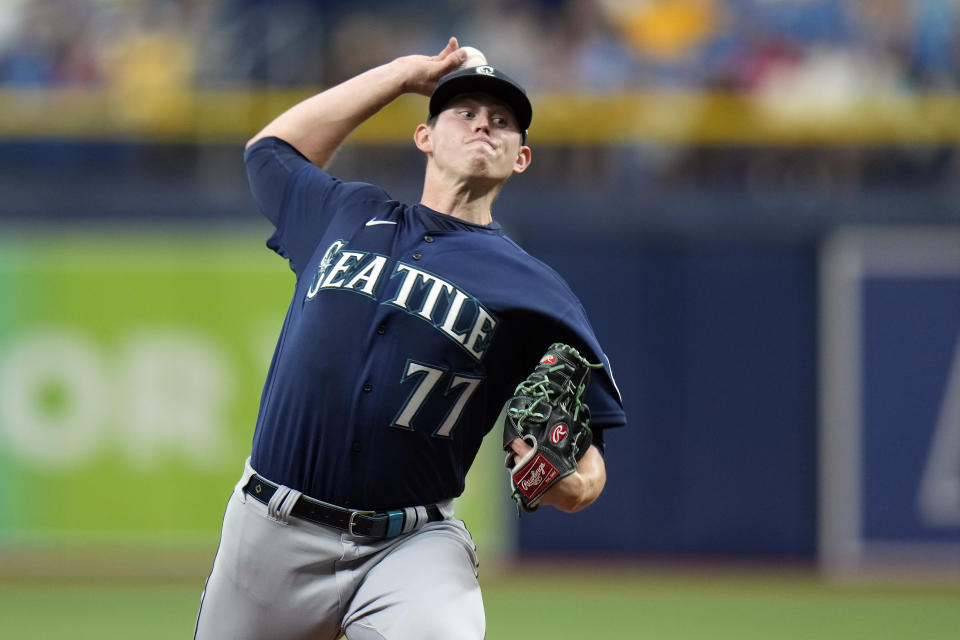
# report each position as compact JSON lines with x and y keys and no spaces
{"x":475,"y":58}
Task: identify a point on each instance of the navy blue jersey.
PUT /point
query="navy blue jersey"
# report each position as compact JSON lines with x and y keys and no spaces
{"x":407,"y":332}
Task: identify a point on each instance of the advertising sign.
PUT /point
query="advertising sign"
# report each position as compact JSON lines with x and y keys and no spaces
{"x":131,"y":367}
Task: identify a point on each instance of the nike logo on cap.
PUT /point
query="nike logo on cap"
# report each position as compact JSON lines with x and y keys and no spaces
{"x":373,"y":221}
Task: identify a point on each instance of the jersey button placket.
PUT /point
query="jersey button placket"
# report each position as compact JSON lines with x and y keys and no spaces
{"x":367,"y":387}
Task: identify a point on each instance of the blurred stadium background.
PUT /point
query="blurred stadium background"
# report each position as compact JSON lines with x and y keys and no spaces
{"x":757,"y":200}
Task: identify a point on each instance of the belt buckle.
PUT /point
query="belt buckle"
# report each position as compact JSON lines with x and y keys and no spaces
{"x":351,"y":522}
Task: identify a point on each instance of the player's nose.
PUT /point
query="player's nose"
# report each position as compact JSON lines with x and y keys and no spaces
{"x":482,"y":121}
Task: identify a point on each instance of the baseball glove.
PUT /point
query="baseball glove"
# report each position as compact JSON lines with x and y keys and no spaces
{"x":547,"y":412}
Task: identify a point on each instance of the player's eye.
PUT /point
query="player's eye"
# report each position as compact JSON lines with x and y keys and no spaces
{"x":466,"y":113}
{"x":500,"y":121}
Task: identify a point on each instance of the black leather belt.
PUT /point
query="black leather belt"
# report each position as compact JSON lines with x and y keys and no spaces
{"x":368,"y":524}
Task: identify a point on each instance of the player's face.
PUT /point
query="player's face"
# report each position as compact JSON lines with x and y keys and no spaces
{"x":478,"y":136}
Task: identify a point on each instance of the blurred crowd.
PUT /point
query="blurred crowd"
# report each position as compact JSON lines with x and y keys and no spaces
{"x":805,"y":61}
{"x":550,"y":45}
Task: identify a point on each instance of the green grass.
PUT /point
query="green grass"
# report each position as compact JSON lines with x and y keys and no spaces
{"x":716,"y":607}
{"x":555,"y":605}
{"x":103,"y":611}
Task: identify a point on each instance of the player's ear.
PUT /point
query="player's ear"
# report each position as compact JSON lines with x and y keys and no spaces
{"x":423,"y":138}
{"x":524,"y":157}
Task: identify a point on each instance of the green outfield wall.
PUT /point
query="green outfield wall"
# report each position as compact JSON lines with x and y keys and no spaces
{"x":130,"y":375}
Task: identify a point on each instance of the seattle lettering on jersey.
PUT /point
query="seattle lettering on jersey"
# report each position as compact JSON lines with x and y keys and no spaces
{"x":450,"y":310}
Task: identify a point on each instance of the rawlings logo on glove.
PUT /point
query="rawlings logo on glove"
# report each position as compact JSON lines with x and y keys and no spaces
{"x":546,"y":411}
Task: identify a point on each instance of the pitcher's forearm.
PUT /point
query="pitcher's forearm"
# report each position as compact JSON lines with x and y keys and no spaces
{"x":583,"y":487}
{"x":317,"y":126}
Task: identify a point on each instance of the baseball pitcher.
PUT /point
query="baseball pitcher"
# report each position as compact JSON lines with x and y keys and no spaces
{"x":414,"y":329}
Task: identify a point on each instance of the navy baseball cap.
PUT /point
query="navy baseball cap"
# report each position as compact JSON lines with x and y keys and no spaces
{"x":483,"y":79}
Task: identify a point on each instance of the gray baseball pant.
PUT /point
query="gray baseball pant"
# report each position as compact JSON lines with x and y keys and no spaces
{"x":281,"y":578}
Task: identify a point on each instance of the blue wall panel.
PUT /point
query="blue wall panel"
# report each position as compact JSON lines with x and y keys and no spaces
{"x":910,"y":339}
{"x":714,"y":349}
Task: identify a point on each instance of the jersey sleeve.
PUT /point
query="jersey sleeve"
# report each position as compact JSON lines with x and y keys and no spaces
{"x":553,"y":313}
{"x":299,"y":198}
{"x":602,"y":395}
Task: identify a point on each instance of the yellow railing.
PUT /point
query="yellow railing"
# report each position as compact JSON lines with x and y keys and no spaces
{"x":630,"y":118}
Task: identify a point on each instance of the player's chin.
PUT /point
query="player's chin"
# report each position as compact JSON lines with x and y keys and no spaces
{"x":481,"y":168}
